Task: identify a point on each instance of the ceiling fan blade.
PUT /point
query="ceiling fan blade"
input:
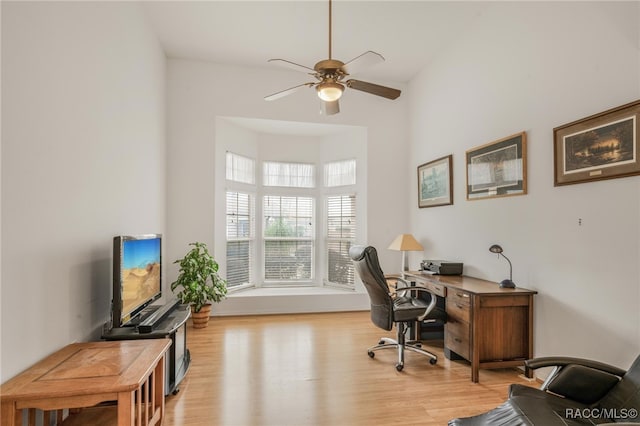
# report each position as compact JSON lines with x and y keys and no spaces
{"x":366,"y":60}
{"x":329,"y":108}
{"x":286,"y":92}
{"x":292,"y":65}
{"x":374,"y":89}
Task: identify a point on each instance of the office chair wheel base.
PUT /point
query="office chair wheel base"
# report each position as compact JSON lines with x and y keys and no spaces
{"x":433,"y":361}
{"x":371,"y":354}
{"x":399,"y":367}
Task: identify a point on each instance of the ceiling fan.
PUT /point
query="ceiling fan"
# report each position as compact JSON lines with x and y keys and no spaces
{"x":331,"y":74}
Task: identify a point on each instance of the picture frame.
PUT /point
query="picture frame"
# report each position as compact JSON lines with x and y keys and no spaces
{"x":601,"y":146}
{"x":498,"y":168}
{"x":435,"y":182}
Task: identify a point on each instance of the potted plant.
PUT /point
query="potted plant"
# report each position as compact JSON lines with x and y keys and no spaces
{"x":199,"y":283}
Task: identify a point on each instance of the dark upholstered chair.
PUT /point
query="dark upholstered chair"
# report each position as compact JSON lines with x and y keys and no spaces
{"x":394,"y":306}
{"x":576,"y":392}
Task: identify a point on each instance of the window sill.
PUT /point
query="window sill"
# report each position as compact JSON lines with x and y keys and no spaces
{"x":289,"y":291}
{"x":294,"y":300}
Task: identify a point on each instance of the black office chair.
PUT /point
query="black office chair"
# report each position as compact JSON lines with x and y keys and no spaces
{"x":389,"y":306}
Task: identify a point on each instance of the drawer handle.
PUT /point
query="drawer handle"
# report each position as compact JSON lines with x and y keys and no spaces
{"x":459,"y":306}
{"x":462,"y":295}
{"x":457,"y":340}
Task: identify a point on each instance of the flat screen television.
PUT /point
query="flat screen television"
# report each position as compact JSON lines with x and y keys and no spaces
{"x":137,"y":278}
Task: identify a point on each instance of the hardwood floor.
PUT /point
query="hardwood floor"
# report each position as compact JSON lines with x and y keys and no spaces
{"x":313,"y":369}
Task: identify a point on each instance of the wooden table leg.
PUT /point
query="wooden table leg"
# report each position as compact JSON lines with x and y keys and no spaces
{"x":158,"y":387}
{"x":10,"y":416}
{"x":125,"y":408}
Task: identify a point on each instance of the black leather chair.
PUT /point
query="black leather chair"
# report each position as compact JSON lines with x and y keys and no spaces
{"x":394,"y":306}
{"x":576,"y":392}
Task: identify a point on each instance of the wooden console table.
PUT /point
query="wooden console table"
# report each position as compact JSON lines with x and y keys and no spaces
{"x":130,"y":372}
{"x":489,"y":326}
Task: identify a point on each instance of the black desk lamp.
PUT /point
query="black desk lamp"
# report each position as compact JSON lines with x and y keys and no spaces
{"x":504,"y":283}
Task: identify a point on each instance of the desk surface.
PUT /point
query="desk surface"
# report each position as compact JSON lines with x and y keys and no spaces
{"x":468,"y":284}
{"x":87,"y":368}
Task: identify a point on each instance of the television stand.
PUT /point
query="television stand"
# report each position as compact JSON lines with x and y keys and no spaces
{"x":164,"y":321}
{"x":157,"y":315}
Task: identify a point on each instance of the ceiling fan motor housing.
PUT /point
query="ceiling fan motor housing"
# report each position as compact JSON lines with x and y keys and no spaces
{"x":329,"y":66}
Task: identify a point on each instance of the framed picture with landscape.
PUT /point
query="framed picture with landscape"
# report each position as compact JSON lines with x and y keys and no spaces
{"x":498,"y":169}
{"x":602,"y":146}
{"x":435,"y":182}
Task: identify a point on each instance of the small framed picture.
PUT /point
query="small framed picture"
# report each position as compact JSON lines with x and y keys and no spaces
{"x":498,"y":169}
{"x":602,"y":146}
{"x":435,"y":182}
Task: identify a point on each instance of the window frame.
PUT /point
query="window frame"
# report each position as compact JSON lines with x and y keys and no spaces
{"x":311,"y":281}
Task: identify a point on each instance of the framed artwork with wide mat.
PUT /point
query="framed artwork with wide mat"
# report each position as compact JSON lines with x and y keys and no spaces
{"x":435,"y":182}
{"x":601,"y":146}
{"x":498,"y":169}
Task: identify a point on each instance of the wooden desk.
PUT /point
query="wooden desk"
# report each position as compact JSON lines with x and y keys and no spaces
{"x":81,"y":375}
{"x":489,"y":326}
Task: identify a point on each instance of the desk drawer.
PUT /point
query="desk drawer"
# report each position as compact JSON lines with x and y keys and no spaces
{"x":458,"y":308}
{"x":456,"y":338}
{"x":458,"y":297}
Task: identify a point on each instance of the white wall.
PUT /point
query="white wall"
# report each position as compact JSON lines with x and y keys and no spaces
{"x":533,"y":67}
{"x":83,"y":159}
{"x":200,"y":92}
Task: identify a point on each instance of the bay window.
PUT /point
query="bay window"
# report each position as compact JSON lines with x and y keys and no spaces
{"x":271,"y":223}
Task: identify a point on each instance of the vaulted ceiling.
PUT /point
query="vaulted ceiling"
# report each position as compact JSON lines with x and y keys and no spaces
{"x":409,"y":34}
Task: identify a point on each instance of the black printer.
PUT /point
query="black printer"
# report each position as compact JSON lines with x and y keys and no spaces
{"x":442,"y":267}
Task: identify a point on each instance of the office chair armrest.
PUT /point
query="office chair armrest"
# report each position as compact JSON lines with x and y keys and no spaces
{"x":413,"y":287}
{"x":397,"y":278}
{"x":561,"y":361}
{"x":581,"y":380}
{"x":432,"y":302}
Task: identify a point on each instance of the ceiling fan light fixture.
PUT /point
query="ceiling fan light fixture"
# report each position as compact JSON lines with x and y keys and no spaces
{"x":330,"y":77}
{"x":330,"y":91}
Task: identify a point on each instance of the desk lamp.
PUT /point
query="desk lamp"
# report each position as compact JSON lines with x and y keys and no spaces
{"x":405,"y":243}
{"x":506,"y":283}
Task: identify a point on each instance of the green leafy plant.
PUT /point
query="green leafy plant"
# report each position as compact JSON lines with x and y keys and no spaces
{"x":198,"y":278}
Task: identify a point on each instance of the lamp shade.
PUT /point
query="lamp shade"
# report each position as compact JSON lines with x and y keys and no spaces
{"x":495,"y":249}
{"x":405,"y":242}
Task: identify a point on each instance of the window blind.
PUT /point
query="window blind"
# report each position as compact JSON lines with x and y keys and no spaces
{"x":240,"y":236}
{"x":341,"y":234}
{"x":288,"y":238}
{"x":297,"y":175}
{"x":240,"y":169}
{"x":340,"y":173}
